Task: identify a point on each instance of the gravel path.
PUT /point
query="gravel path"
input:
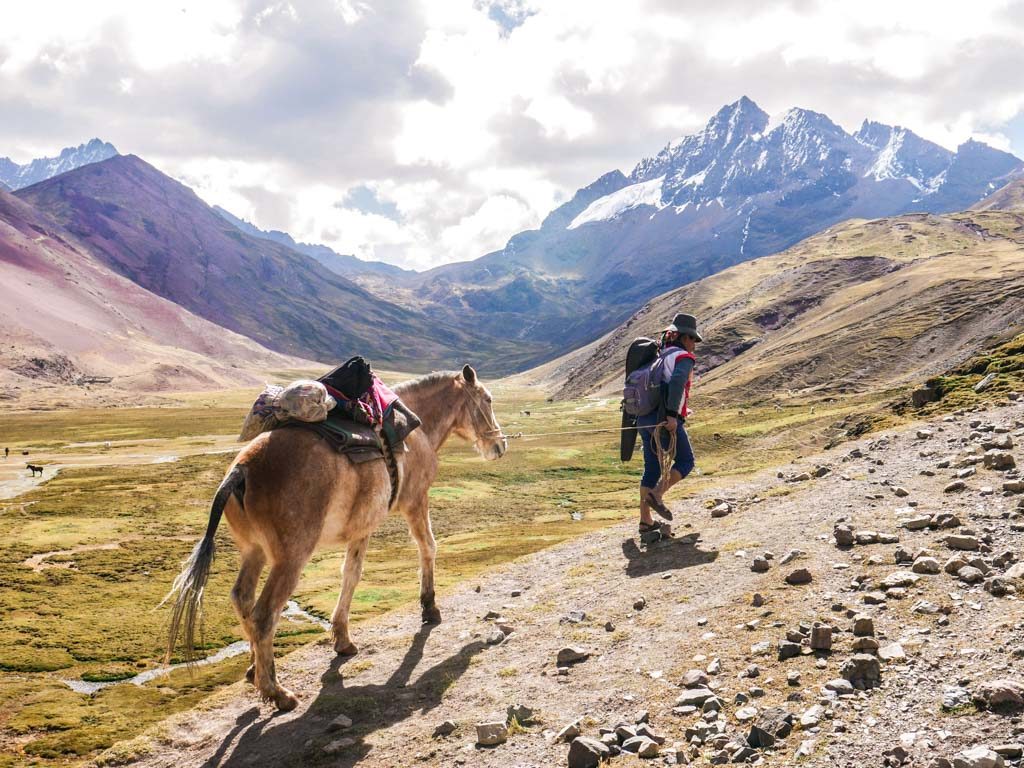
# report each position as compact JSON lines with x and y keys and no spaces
{"x":651,"y":614}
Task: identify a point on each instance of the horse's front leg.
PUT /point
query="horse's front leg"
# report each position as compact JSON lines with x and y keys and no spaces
{"x":350,"y":574}
{"x":418,"y":517}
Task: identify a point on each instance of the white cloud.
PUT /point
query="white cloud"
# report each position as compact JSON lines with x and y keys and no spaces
{"x":486,"y":229}
{"x":473,"y":118}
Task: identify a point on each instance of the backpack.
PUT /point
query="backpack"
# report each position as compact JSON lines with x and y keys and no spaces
{"x":641,"y":393}
{"x":352,"y":378}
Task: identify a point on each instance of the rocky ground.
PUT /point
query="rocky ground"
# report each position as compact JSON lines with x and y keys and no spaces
{"x":857,"y":608}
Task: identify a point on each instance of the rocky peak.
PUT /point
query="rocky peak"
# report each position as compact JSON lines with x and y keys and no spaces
{"x":873,"y":134}
{"x":18,"y":176}
{"x":736,"y":121}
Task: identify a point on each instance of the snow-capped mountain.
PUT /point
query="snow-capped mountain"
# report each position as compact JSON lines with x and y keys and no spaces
{"x":743,"y":158}
{"x":747,"y":185}
{"x":16,"y":176}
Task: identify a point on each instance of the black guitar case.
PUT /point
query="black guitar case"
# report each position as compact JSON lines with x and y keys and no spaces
{"x":641,"y":352}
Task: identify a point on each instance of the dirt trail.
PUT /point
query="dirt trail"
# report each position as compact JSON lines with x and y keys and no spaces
{"x":407,"y":679}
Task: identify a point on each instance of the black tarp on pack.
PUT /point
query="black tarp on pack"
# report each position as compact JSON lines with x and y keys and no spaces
{"x":642,"y":351}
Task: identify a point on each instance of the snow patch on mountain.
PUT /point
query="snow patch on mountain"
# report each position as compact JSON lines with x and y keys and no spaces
{"x":613,"y":205}
{"x":886,"y":165}
{"x":778,"y":120}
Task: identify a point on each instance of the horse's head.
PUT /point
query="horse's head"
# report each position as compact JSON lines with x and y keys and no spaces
{"x":476,"y":421}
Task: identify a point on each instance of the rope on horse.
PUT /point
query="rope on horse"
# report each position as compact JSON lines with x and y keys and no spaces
{"x":393,"y":472}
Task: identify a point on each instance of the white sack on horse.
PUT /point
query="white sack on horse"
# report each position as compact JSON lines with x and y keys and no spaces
{"x":302,"y":400}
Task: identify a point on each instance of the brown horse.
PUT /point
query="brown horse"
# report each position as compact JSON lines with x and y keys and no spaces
{"x":288,"y":493}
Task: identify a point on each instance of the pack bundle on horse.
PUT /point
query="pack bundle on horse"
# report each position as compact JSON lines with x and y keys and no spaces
{"x":291,"y":491}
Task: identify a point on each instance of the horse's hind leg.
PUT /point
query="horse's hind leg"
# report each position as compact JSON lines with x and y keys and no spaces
{"x":351,"y":571}
{"x":419,"y":524}
{"x":262,"y":623}
{"x":243,"y":598}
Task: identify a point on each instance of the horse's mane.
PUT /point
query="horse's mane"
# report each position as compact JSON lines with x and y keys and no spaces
{"x":424,"y":381}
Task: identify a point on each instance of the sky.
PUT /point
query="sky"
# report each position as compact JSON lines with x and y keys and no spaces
{"x":421,"y":132}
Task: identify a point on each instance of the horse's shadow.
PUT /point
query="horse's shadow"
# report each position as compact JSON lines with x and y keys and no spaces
{"x":301,"y":741}
{"x":666,"y":555}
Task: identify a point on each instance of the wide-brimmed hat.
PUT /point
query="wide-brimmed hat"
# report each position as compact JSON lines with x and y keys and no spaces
{"x":685,"y":324}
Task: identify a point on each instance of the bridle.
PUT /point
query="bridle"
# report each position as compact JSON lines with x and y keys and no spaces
{"x":488,"y":418}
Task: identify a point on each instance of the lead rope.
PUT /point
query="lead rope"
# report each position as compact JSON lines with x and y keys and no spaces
{"x":531,"y":435}
{"x":666,"y":456}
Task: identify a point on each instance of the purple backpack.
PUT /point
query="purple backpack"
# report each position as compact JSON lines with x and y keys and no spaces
{"x":641,"y":393}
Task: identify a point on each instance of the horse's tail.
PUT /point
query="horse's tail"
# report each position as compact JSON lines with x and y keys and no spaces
{"x":190,"y":583}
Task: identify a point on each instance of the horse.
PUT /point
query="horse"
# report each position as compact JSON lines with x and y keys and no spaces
{"x":287,"y":493}
{"x":34,"y":468}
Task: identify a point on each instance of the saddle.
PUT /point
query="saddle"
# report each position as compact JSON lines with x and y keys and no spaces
{"x":362,"y":442}
{"x":369,"y":421}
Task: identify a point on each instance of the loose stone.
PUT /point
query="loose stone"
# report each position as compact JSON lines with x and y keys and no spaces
{"x":587,"y":753}
{"x":799,"y":576}
{"x":491,"y":734}
{"x":572,"y":655}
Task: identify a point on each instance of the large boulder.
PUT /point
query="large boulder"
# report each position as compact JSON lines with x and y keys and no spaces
{"x":1001,"y":695}
{"x":585,"y":752}
{"x":862,"y":670}
{"x":844,"y":535}
{"x":694,"y":697}
{"x":998,"y":460}
{"x":772,"y":724}
{"x":491,"y":734}
{"x":978,"y":757}
{"x":1015,"y":575}
{"x":571,"y":654}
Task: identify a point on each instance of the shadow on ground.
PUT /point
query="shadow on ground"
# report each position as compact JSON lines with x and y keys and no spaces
{"x":665,"y":555}
{"x":300,"y":741}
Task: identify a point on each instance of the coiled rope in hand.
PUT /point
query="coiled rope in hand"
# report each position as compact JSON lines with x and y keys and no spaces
{"x":666,"y":455}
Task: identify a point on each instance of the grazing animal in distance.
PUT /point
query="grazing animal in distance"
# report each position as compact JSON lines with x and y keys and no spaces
{"x":35,"y":469}
{"x":288,"y":493}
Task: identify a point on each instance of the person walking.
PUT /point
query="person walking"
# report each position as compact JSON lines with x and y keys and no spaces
{"x":678,"y":344}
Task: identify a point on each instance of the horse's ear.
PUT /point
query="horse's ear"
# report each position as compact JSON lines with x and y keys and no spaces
{"x":469,"y":374}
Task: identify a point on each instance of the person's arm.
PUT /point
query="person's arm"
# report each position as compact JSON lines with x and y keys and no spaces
{"x":676,"y":386}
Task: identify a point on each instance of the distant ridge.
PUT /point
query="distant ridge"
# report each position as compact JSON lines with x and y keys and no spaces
{"x":16,"y":176}
{"x":342,"y":264}
{"x":1007,"y":198}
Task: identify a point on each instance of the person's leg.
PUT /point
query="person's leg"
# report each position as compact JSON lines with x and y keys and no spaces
{"x":652,"y":469}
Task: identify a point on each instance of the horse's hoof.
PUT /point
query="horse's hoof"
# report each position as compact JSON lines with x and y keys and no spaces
{"x":432,"y":615}
{"x":250,"y":673}
{"x":346,"y":649}
{"x":285,"y":700}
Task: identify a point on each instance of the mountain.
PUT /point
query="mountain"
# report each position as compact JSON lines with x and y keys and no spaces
{"x":861,"y":307}
{"x":345,"y":265}
{"x":159,"y":234}
{"x":1007,"y":198}
{"x":745,"y":186}
{"x":16,"y":176}
{"x":65,"y":318}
